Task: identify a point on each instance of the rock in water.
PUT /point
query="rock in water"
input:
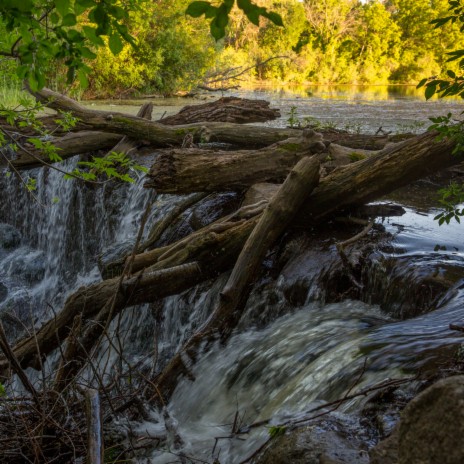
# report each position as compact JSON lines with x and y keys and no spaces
{"x":10,"y":237}
{"x":432,"y":425}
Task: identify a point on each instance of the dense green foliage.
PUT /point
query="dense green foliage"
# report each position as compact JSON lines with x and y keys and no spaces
{"x":346,"y":41}
{"x":322,"y":41}
{"x":38,"y":32}
{"x":452,"y":197}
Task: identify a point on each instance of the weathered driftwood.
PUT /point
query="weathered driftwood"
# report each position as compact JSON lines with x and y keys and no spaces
{"x":94,"y":427}
{"x":193,"y":170}
{"x":299,"y":183}
{"x":226,"y":109}
{"x":156,"y":133}
{"x":283,"y":206}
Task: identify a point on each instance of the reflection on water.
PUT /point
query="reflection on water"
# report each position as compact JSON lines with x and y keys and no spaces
{"x":396,"y":109}
{"x":348,"y":92}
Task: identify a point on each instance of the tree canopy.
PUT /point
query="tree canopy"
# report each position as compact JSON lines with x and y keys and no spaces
{"x":69,"y":31}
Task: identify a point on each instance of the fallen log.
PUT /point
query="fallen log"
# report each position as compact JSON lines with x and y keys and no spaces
{"x":226,"y":109}
{"x":157,"y":134}
{"x":69,"y":145}
{"x":363,"y":141}
{"x":389,"y":169}
{"x":126,"y":145}
{"x":75,"y":144}
{"x":181,"y":171}
{"x":194,"y":171}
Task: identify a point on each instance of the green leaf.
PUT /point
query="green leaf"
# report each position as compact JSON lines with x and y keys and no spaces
{"x":62,"y":6}
{"x":451,"y":74}
{"x":115,"y":43}
{"x":277,"y":430}
{"x":85,"y":3}
{"x":222,"y":17}
{"x":54,"y":18}
{"x":217,"y":31}
{"x":33,"y":83}
{"x":421,"y":83}
{"x":274,"y":17}
{"x":83,"y":80}
{"x":91,"y":34}
{"x":253,"y":16}
{"x":87,"y":53}
{"x":196,"y":9}
{"x":430,"y":91}
{"x":69,"y":20}
{"x":245,"y":5}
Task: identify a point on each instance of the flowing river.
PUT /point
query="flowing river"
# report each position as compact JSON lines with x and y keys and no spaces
{"x":288,"y":354}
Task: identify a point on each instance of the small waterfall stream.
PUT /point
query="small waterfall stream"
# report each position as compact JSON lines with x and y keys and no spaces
{"x":309,"y":354}
{"x":286,"y":357}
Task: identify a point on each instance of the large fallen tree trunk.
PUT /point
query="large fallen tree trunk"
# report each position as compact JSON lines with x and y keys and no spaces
{"x":181,"y":171}
{"x":226,"y":109}
{"x":187,"y":171}
{"x":216,"y":247}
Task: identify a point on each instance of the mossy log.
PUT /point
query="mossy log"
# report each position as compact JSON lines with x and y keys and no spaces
{"x":193,"y":170}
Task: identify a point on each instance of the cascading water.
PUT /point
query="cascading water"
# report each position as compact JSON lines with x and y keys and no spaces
{"x":309,"y":355}
{"x":62,"y":232}
{"x":303,"y":353}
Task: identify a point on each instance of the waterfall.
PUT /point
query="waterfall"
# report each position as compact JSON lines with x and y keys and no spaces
{"x":288,"y":354}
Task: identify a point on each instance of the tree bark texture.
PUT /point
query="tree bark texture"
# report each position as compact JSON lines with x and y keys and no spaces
{"x":376,"y":173}
{"x":194,"y":170}
{"x":226,"y":109}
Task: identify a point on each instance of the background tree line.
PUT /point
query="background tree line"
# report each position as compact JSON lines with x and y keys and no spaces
{"x":324,"y":41}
